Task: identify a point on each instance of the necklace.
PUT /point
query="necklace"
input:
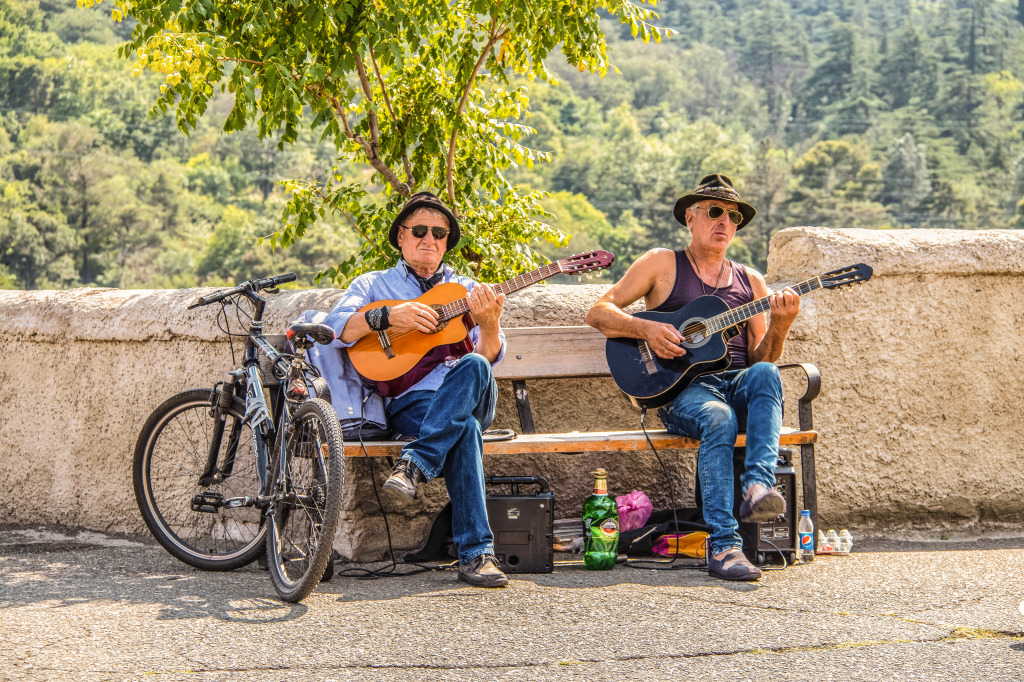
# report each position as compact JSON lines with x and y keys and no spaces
{"x":701,"y":278}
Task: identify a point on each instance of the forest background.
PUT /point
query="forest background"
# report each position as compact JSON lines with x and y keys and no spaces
{"x":862,"y":113}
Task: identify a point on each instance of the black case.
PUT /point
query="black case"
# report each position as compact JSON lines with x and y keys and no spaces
{"x":762,"y":542}
{"x":522,"y":524}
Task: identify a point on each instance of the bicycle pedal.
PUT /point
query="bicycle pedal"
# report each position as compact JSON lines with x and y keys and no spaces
{"x":207,"y":502}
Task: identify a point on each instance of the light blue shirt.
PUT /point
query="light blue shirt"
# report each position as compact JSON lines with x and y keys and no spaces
{"x":396,"y":283}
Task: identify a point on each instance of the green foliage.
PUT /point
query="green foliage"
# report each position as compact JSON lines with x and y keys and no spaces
{"x":874,"y":113}
{"x":422,"y":92}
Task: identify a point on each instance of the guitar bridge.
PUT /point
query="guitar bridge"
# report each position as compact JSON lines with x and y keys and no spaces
{"x":385,"y":344}
{"x":647,"y":357}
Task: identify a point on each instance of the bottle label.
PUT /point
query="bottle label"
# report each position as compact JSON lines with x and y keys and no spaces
{"x":806,"y":542}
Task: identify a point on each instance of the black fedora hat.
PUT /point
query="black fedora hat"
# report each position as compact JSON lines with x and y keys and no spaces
{"x":425,"y":200}
{"x":714,"y":186}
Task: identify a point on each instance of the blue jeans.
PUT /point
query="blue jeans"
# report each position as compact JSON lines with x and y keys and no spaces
{"x":447,"y":424}
{"x":714,"y":408}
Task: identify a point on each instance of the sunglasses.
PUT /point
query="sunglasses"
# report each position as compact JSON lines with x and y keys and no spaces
{"x":716,"y":212}
{"x":420,"y":231}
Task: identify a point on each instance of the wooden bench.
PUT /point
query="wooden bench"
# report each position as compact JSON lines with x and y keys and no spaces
{"x":578,"y":352}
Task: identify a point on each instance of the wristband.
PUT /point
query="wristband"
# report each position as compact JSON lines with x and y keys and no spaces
{"x":377,"y":319}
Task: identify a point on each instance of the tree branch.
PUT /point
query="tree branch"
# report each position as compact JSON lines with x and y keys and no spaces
{"x":450,"y":167}
{"x":368,"y":149}
{"x":410,"y":181}
{"x":361,"y":233}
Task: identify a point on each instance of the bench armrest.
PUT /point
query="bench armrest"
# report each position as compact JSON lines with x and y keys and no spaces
{"x":812,"y":391}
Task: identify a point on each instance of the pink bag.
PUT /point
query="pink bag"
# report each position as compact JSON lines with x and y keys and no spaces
{"x":634,"y":510}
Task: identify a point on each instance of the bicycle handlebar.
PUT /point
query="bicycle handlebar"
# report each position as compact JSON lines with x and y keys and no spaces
{"x":252,"y":285}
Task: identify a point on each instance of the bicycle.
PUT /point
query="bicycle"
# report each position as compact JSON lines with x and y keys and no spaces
{"x":219,"y":480}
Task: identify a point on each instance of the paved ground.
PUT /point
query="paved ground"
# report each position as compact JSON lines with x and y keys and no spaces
{"x":84,"y":606}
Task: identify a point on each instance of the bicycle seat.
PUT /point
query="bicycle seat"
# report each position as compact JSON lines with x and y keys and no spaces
{"x":320,"y":333}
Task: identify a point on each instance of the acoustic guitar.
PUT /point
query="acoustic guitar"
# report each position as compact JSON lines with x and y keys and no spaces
{"x":384,"y":356}
{"x":706,"y":324}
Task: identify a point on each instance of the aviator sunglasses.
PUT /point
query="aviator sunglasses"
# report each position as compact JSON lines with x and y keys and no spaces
{"x":420,"y":231}
{"x":715,"y":212}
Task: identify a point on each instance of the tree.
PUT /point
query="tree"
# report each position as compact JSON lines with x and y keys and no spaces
{"x":423,"y":92}
{"x":905,"y":181}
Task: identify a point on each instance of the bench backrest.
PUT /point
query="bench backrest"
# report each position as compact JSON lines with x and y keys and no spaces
{"x":553,"y":353}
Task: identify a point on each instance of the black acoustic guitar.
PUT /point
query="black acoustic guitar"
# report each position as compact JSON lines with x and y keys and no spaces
{"x":706,"y":324}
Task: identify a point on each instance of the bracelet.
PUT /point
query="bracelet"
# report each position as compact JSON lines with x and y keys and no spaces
{"x":377,"y":319}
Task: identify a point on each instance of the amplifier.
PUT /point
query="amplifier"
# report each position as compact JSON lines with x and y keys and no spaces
{"x":522,"y":524}
{"x":761,"y":540}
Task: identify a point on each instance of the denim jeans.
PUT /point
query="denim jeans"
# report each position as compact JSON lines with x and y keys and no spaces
{"x":447,"y":424}
{"x":714,"y":408}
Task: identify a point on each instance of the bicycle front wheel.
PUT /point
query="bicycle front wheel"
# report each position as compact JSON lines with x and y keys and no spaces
{"x":190,"y":520}
{"x":303,"y":518}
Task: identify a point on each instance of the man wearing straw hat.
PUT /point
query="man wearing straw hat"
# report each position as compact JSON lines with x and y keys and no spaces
{"x":715,"y":406}
{"x":448,"y":399}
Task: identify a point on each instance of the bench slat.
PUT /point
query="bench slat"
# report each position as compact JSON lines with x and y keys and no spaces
{"x":594,"y":441}
{"x":563,"y":352}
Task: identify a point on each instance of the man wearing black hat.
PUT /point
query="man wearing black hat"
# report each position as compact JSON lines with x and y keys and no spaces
{"x":714,"y":406}
{"x":448,"y":399}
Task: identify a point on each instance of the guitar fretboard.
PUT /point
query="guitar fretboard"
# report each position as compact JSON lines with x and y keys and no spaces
{"x":449,"y":311}
{"x":733,"y":317}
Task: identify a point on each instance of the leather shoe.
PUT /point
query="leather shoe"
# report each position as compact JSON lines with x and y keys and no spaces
{"x":482,"y":571}
{"x":733,"y":566}
{"x":762,"y":504}
{"x":404,"y":478}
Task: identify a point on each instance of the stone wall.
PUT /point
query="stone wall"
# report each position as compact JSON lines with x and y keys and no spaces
{"x":923,"y":386}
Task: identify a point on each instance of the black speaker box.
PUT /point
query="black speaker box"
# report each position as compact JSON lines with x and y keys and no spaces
{"x":522,"y":524}
{"x":763,"y":542}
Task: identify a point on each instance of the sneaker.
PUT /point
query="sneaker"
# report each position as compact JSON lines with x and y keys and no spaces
{"x":483,"y":571}
{"x":761,"y":504}
{"x":404,"y":478}
{"x":733,"y":566}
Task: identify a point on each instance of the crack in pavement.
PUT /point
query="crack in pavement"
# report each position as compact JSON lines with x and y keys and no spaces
{"x":957,"y":634}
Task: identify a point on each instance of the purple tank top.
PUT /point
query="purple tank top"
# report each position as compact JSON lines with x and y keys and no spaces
{"x":688,"y":287}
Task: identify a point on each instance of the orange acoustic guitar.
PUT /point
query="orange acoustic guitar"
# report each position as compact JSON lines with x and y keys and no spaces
{"x":383,"y":356}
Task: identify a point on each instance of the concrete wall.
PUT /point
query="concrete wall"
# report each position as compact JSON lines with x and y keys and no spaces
{"x":923,"y":388}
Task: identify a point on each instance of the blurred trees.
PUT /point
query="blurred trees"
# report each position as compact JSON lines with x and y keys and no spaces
{"x":847,"y":114}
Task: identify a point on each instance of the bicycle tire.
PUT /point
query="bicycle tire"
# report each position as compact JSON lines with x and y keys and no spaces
{"x":303,"y":518}
{"x":170,"y":456}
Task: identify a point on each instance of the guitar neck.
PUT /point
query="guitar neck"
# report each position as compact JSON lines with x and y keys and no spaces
{"x":735,"y":316}
{"x":458,"y":308}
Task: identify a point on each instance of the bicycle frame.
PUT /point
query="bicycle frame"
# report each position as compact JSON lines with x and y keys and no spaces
{"x":247,"y":383}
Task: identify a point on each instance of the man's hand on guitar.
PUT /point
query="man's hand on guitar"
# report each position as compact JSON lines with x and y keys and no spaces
{"x":664,"y":339}
{"x":413,"y":316}
{"x":785,"y":305}
{"x":485,"y":306}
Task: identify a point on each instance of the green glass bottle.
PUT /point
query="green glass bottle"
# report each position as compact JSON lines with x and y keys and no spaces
{"x":600,"y":526}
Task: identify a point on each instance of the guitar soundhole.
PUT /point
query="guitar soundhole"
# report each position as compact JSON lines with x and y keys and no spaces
{"x":441,"y":321}
{"x":695,"y":333}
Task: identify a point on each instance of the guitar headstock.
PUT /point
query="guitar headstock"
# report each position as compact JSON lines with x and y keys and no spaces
{"x":848,"y":276}
{"x":585,"y":262}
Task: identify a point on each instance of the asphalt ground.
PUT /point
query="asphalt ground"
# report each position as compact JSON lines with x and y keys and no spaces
{"x":85,"y":606}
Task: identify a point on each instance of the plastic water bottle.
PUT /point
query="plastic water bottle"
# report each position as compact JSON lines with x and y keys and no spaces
{"x":805,"y":537}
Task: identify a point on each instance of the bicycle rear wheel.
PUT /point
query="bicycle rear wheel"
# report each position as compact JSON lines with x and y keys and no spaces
{"x":304,"y":516}
{"x":186,"y":518}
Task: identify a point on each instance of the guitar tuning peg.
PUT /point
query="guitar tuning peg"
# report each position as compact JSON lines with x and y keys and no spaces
{"x":590,"y":276}
{"x":599,"y":271}
{"x":579,"y":277}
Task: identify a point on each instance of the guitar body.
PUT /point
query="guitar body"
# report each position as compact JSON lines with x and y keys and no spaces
{"x":410,"y":347}
{"x":650,"y":381}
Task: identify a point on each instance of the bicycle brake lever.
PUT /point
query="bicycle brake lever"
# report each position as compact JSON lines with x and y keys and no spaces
{"x":272,"y":290}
